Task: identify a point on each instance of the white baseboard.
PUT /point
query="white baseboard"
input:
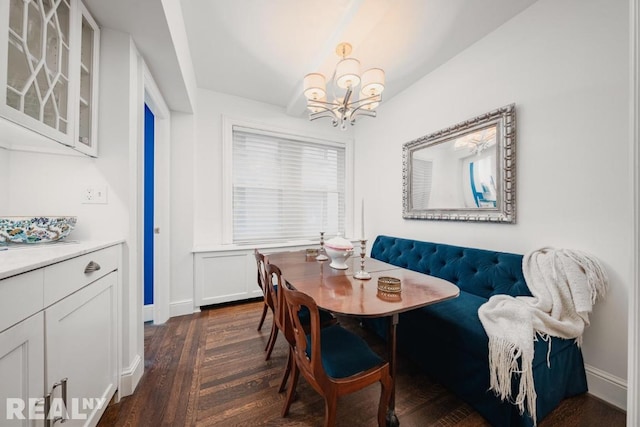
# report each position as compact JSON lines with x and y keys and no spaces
{"x":130,"y":376}
{"x":147,"y":313}
{"x":180,"y":308}
{"x":607,"y":387}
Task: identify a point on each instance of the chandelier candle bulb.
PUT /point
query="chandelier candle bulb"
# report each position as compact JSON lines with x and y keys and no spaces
{"x":372,"y":102}
{"x":316,"y":105}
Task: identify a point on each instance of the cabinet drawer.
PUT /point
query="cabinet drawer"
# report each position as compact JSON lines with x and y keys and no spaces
{"x":20,"y":297}
{"x":68,"y":276}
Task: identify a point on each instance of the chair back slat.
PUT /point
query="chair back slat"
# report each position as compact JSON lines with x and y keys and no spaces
{"x":282,"y":319}
{"x":295,"y":302}
{"x":262,"y":277}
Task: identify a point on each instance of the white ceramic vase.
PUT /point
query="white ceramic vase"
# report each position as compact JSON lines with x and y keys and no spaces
{"x":339,"y":250}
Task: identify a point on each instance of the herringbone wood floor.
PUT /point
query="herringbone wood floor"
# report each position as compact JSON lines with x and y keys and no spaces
{"x":208,"y":369}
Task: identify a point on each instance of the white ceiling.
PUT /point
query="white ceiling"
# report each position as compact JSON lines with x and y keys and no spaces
{"x":261,"y":50}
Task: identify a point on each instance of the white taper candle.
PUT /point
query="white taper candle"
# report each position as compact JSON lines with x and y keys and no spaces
{"x":362,"y":220}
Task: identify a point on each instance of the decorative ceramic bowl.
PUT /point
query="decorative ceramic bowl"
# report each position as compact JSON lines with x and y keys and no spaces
{"x":27,"y":229}
{"x":339,"y":250}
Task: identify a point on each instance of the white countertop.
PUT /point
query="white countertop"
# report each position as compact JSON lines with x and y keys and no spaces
{"x":23,"y":258}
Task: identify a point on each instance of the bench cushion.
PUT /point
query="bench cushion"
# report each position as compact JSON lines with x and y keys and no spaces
{"x":478,"y":271}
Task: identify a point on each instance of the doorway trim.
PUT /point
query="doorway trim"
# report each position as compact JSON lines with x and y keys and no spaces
{"x":633,"y":380}
{"x":155,"y":101}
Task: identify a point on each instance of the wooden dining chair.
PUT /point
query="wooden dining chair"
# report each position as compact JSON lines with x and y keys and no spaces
{"x":333,"y":360}
{"x":268,"y":303}
{"x":274,"y":282}
{"x":282,"y":319}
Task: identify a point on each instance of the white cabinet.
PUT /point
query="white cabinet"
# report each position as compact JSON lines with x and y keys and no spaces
{"x":81,"y":350}
{"x":22,"y":388}
{"x":58,"y":351}
{"x":47,"y":83}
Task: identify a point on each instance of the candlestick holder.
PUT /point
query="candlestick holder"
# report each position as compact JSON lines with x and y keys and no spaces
{"x":322,"y":255}
{"x":362,"y":275}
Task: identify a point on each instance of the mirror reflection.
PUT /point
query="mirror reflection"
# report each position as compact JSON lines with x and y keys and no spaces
{"x":466,"y":172}
{"x":458,"y":173}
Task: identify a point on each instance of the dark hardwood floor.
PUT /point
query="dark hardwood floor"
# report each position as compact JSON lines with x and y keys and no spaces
{"x":208,"y":369}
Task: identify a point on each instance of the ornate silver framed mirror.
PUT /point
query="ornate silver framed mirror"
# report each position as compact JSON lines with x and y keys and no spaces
{"x":466,"y":172}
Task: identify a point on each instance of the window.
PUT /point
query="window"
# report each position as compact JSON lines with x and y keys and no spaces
{"x":285,"y":188}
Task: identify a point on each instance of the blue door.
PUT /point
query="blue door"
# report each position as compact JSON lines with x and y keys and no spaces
{"x":149,"y":122}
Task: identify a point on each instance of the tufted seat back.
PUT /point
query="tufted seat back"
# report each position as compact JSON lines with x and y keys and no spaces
{"x":478,"y":271}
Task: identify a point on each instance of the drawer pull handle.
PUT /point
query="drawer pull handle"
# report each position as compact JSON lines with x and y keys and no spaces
{"x":47,"y":409}
{"x":62,"y":383}
{"x":91,"y":267}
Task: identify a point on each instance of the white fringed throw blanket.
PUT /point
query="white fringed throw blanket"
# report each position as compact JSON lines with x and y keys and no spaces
{"x":565,"y":284}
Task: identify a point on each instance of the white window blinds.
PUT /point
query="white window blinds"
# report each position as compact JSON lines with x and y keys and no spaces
{"x":421,"y":179}
{"x":286,"y":189}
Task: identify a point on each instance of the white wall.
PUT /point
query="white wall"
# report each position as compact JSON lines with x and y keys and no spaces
{"x":565,"y":65}
{"x":4,"y":180}
{"x":120,"y":135}
{"x":51,"y":184}
{"x":182,"y":212}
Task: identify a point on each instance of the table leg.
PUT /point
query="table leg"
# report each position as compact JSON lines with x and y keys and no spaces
{"x":392,"y":419}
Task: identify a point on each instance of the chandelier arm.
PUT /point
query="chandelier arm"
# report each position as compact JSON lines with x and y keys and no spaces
{"x":360,"y":111}
{"x":322,"y":114}
{"x":323,"y":104}
{"x":366,"y":101}
{"x":357,"y":113}
{"x":368,"y":113}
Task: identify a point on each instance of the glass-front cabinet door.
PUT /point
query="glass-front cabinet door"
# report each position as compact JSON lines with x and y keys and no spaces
{"x":88,"y":89}
{"x":48,"y":69}
{"x":36,"y":85}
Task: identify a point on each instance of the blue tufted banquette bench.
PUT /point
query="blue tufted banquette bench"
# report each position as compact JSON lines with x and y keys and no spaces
{"x":447,"y":340}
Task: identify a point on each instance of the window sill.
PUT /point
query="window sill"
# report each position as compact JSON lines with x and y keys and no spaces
{"x":234,"y":247}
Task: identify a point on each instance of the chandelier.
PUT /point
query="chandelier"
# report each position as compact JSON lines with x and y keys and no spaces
{"x":346,"y":104}
{"x":478,"y":141}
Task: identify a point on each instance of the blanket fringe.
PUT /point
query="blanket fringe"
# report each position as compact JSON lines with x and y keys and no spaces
{"x":546,"y":338}
{"x":503,"y":362}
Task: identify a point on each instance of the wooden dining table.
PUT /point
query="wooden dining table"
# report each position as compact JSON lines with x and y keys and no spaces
{"x":339,"y":292}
